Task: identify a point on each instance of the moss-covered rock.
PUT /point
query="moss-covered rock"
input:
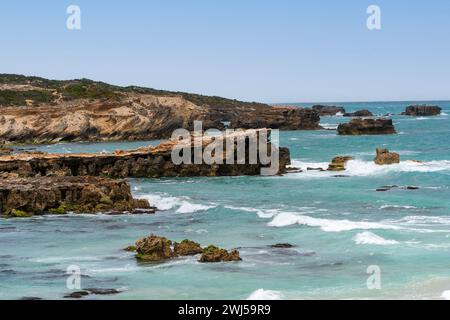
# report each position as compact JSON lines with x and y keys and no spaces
{"x":215,"y":254}
{"x":187,"y":248}
{"x":153,"y":248}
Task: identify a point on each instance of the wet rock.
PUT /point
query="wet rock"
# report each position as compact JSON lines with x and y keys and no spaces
{"x":151,"y":162}
{"x":91,"y":291}
{"x":130,"y":249}
{"x":359,"y":113}
{"x":338,"y":163}
{"x":187,"y":248}
{"x":360,"y":126}
{"x":315,"y":169}
{"x":324,"y":110}
{"x":422,"y":111}
{"x":30,"y":298}
{"x":282,"y":245}
{"x":215,"y":254}
{"x":101,"y":291}
{"x":77,"y":294}
{"x":412,"y":188}
{"x":22,"y":197}
{"x":384,"y":157}
{"x":382,"y":189}
{"x":153,"y":248}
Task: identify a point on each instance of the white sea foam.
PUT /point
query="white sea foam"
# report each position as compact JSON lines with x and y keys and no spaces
{"x":371,"y":238}
{"x":262,"y":294}
{"x":286,"y":219}
{"x":329,"y":126}
{"x":367,"y":168}
{"x":446,"y":295}
{"x":394,"y":206}
{"x":181,"y":204}
{"x":187,"y":207}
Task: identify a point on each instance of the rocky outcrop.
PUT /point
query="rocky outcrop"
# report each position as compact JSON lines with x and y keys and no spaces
{"x":384,"y":157}
{"x":187,"y":248}
{"x":152,"y":162}
{"x":359,"y":113}
{"x":324,"y":110}
{"x":37,"y":110}
{"x":22,"y":197}
{"x":154,"y":248}
{"x":422,"y":111}
{"x":215,"y":254}
{"x":338,"y":163}
{"x":361,"y":126}
{"x":159,"y":249}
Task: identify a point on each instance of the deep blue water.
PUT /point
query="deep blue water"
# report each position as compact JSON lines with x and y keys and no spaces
{"x":340,"y":226}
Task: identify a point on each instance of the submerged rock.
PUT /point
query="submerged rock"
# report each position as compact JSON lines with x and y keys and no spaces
{"x":384,"y":157}
{"x":361,"y":126}
{"x":215,"y":254}
{"x":187,"y":248}
{"x":154,"y":248}
{"x":422,"y":111}
{"x":324,"y":110}
{"x":359,"y":113}
{"x":338,"y":163}
{"x":22,"y":197}
{"x":94,"y":291}
{"x":282,"y":245}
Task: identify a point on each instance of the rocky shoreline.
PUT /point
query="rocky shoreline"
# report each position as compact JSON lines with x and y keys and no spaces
{"x":39,"y":183}
{"x":25,"y":197}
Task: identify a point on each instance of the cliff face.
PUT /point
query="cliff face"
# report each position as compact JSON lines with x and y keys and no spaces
{"x":40,"y":110}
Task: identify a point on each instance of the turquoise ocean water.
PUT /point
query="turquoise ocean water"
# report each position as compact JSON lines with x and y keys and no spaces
{"x":339,"y":225}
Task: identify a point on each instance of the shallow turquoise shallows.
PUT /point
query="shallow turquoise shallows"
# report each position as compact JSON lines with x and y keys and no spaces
{"x":340,"y":226}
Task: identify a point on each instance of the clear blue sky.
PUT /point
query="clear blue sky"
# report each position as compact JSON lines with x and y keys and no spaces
{"x":272,"y":51}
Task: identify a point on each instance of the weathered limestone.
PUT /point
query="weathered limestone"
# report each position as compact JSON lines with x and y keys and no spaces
{"x":338,"y":163}
{"x":215,"y":254}
{"x":384,"y":157}
{"x":359,"y":113}
{"x":159,"y":249}
{"x":361,"y":126}
{"x":422,"y":111}
{"x":22,"y":197}
{"x":149,"y":162}
{"x":323,"y":110}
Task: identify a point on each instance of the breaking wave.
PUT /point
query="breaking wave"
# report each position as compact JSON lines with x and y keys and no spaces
{"x":262,"y":294}
{"x":369,"y":168}
{"x":179,"y":204}
{"x":287,"y":219}
{"x":371,"y":238}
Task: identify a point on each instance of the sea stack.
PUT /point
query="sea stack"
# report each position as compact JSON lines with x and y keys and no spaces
{"x":384,"y":157}
{"x":361,"y":126}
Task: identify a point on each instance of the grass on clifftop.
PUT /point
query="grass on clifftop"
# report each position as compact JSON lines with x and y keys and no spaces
{"x":89,"y":89}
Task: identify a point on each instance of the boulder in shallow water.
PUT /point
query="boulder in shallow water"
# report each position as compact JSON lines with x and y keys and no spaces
{"x":359,"y":113}
{"x":187,"y":248}
{"x":323,"y":110}
{"x":215,"y":254}
{"x":384,"y":157}
{"x":338,"y":163}
{"x":360,"y":126}
{"x":153,"y":248}
{"x":422,"y":111}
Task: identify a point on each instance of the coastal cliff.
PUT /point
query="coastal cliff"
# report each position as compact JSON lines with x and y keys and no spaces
{"x":37,"y":110}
